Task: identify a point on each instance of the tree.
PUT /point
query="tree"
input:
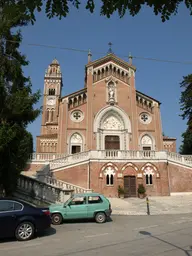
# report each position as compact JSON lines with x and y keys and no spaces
{"x":186,"y":108}
{"x":16,"y":99}
{"x":60,"y":8}
{"x":186,"y":147}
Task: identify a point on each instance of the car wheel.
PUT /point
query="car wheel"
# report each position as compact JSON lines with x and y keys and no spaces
{"x":100,"y":217}
{"x":56,"y":219}
{"x":24,"y":231}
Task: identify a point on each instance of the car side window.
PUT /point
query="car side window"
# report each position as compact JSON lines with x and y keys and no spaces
{"x":78,"y":200}
{"x":6,"y":206}
{"x":18,"y":206}
{"x":94,"y":200}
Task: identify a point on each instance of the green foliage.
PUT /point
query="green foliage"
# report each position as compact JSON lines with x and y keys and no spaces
{"x":186,"y":108}
{"x":120,"y":190}
{"x":186,"y":147}
{"x":61,"y":8}
{"x":16,"y":100}
{"x":141,"y":189}
{"x":186,"y":99}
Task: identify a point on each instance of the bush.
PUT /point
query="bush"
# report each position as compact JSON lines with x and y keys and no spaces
{"x":120,"y":190}
{"x":141,"y":189}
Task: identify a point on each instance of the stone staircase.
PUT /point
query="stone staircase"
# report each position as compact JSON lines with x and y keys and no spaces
{"x":38,"y":192}
{"x":65,"y":185}
{"x":47,"y":190}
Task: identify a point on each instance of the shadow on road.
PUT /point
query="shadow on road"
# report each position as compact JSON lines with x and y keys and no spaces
{"x":83,"y":221}
{"x":145,"y":233}
{"x":49,"y":232}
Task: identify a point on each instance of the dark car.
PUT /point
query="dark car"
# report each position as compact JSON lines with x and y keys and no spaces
{"x":22,"y":220}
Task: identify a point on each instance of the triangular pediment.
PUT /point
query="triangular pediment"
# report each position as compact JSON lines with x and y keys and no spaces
{"x":111,"y":58}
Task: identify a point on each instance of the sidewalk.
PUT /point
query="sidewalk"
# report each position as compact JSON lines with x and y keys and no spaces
{"x":158,"y":205}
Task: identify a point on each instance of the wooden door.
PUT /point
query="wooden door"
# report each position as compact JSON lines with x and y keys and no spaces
{"x":130,"y":186}
{"x":112,"y":142}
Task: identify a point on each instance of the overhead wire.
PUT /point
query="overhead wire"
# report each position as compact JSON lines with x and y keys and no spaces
{"x":102,"y":53}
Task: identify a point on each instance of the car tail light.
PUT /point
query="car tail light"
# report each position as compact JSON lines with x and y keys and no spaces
{"x":46,"y":212}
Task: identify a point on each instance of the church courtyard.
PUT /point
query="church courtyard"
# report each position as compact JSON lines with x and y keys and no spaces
{"x":177,"y":204}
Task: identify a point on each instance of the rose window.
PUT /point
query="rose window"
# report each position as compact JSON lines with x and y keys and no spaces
{"x":77,"y":116}
{"x":145,"y":118}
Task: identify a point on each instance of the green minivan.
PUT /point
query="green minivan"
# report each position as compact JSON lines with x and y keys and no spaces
{"x":82,"y":206}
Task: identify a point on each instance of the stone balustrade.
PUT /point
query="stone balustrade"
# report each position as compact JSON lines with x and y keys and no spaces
{"x":65,"y":186}
{"x":42,"y":157}
{"x":61,"y":160}
{"x":28,"y":187}
{"x":108,"y":155}
{"x":183,"y":159}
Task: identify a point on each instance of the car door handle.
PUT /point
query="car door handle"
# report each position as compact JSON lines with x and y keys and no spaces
{"x":13,"y":216}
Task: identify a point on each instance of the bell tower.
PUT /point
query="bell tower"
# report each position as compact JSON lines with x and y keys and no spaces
{"x":52,"y":92}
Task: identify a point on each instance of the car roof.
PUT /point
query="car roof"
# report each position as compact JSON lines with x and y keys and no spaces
{"x":17,"y":200}
{"x":9,"y":198}
{"x":87,"y":194}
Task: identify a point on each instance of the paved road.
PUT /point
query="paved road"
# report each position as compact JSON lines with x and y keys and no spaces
{"x":126,"y":236}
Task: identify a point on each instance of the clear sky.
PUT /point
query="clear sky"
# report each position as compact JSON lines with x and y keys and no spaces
{"x":143,"y":35}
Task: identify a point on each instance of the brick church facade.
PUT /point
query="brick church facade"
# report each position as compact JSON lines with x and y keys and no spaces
{"x":108,"y":133}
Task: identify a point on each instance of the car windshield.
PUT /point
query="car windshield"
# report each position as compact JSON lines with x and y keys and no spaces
{"x":68,"y":200}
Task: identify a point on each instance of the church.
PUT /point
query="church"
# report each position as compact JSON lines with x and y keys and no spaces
{"x":108,"y":133}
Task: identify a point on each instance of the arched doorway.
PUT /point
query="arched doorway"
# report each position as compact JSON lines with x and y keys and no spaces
{"x":112,"y":127}
{"x":129,"y":172}
{"x":130,"y":186}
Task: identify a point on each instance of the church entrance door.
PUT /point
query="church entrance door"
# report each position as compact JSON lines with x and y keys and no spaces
{"x":112,"y":142}
{"x":130,"y":186}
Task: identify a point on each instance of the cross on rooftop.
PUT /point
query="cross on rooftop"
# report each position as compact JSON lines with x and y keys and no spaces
{"x":110,"y":45}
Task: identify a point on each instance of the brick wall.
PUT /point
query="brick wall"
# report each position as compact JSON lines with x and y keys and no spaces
{"x":77,"y":175}
{"x":180,"y":178}
{"x":33,"y":167}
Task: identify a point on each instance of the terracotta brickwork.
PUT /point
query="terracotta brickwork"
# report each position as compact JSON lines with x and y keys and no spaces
{"x":169,"y":144}
{"x":109,"y":99}
{"x":77,"y":175}
{"x":180,"y":178}
{"x":93,"y":176}
{"x":108,"y":114}
{"x":33,"y":167}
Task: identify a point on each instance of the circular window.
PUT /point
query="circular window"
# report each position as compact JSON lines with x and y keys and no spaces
{"x":77,"y":116}
{"x":145,"y":118}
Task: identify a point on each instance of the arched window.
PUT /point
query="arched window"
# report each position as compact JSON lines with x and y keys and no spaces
{"x":109,"y":180}
{"x":146,"y":143}
{"x":149,"y":179}
{"x":47,"y":116}
{"x":76,"y":143}
{"x":149,"y":172}
{"x":109,"y":173}
{"x":51,"y":92}
{"x":75,"y":103}
{"x":52,"y":115}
